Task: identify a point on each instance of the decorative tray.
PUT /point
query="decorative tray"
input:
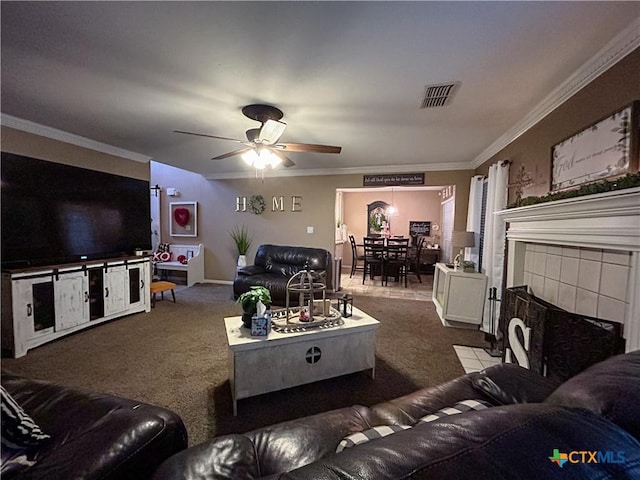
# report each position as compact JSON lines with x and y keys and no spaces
{"x":295,"y":324}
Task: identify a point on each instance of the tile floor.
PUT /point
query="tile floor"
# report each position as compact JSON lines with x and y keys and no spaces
{"x":474,"y":359}
{"x":414,"y":291}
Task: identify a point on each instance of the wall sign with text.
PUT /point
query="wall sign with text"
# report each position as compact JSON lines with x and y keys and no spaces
{"x":606,"y":149}
{"x":393,"y":179}
{"x":256,"y":204}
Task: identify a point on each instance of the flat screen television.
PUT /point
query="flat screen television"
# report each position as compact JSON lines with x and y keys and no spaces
{"x":54,"y":213}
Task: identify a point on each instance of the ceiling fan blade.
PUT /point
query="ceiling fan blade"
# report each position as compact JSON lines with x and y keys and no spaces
{"x":308,"y":147}
{"x":210,"y":136}
{"x":231,"y":154}
{"x":286,"y":161}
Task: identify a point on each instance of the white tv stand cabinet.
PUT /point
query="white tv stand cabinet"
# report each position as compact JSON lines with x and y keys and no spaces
{"x":459,"y":296}
{"x":45,"y":303}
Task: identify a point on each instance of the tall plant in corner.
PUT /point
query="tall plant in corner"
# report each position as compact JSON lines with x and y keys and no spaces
{"x":240,"y":236}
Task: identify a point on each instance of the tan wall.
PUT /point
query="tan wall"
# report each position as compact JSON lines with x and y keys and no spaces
{"x":43,"y":148}
{"x":612,"y":90}
{"x":217,"y":216}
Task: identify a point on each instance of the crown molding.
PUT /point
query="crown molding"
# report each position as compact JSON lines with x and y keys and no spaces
{"x":313,"y":172}
{"x":619,"y":47}
{"x":66,"y":137}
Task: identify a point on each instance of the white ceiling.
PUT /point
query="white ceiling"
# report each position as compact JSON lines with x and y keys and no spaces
{"x":127,"y":74}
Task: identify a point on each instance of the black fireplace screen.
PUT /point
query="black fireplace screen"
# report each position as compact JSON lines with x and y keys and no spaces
{"x":552,"y":341}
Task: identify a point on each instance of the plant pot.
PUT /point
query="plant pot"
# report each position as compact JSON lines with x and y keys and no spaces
{"x":246,"y":319}
{"x":242,"y":261}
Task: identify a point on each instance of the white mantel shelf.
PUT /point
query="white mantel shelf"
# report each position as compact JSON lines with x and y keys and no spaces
{"x":608,"y":221}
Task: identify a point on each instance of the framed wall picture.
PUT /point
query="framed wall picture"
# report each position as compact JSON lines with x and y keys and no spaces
{"x":605,"y":149}
{"x":183,"y":219}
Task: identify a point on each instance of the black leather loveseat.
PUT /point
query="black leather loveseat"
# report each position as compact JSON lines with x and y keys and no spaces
{"x":92,"y":435}
{"x":532,"y":429}
{"x":274,"y":265}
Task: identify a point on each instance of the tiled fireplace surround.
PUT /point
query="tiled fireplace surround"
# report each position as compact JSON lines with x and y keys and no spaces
{"x":581,"y":254}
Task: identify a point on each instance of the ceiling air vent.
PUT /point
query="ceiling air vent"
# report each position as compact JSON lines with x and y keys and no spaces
{"x":438,"y":95}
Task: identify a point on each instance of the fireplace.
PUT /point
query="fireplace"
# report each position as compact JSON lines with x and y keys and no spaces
{"x":581,"y":254}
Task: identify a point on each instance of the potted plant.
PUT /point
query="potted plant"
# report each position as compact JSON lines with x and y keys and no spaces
{"x":249,"y":301}
{"x":468,"y":266}
{"x":240,"y":236}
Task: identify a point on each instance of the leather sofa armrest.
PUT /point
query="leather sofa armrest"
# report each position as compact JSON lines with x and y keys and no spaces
{"x":610,"y":388}
{"x":508,"y":383}
{"x":251,"y":270}
{"x":229,"y":456}
{"x":268,"y":451}
{"x":407,"y":410}
{"x":95,"y":435}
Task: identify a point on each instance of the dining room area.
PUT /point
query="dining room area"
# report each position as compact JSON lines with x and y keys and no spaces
{"x":389,"y":240}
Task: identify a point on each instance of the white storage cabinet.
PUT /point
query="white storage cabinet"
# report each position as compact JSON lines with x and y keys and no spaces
{"x":43,"y":304}
{"x":459,"y":296}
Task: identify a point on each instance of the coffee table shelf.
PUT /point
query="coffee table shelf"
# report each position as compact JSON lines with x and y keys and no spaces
{"x":260,"y":365}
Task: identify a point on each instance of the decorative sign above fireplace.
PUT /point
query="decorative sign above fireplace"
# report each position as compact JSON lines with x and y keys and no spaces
{"x":603,"y":150}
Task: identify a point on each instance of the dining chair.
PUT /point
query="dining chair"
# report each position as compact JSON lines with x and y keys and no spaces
{"x":416,"y":259}
{"x":355,"y":256}
{"x":373,"y":257}
{"x":396,"y":260}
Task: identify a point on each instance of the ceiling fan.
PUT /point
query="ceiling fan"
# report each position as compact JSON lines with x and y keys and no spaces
{"x":261,"y":147}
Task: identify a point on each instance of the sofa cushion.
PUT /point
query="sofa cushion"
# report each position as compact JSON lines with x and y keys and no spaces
{"x":500,"y":443}
{"x":374,"y":433}
{"x":20,"y":435}
{"x":610,"y":388}
{"x":381,"y":431}
{"x":460,"y":407}
{"x":283,"y":269}
{"x":407,"y":410}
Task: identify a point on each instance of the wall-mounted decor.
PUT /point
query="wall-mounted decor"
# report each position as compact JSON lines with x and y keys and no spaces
{"x":606,"y":149}
{"x":419,"y":228}
{"x":183,"y":219}
{"x":393,"y":179}
{"x":257,"y":204}
{"x":377,"y":217}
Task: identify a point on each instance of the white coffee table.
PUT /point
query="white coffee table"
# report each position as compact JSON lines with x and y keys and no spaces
{"x":260,"y":365}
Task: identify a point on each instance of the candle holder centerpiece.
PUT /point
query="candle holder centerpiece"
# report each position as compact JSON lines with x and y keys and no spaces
{"x":307,"y":305}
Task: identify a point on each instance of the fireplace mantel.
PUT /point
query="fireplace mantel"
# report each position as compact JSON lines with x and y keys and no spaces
{"x":609,"y":221}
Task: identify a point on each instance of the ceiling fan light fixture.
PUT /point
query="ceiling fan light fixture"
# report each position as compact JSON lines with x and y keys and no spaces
{"x":262,"y":158}
{"x":250,"y":157}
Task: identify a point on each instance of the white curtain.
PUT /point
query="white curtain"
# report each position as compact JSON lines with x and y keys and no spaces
{"x":155,"y":217}
{"x":448,"y":211}
{"x":494,"y":238}
{"x":474,"y":218}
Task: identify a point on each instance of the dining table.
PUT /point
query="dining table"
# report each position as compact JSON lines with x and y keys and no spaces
{"x":429,"y":255}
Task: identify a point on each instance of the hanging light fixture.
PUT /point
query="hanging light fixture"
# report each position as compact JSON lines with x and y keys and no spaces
{"x":260,"y":158}
{"x":392,"y":210}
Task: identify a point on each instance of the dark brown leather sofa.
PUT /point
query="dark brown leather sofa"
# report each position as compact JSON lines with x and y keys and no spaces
{"x":274,"y":265}
{"x":93,"y":435}
{"x":531,"y":419}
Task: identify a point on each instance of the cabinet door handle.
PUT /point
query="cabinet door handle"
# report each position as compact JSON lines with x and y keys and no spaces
{"x":29,"y":310}
{"x":106,"y":292}
{"x":86,"y":297}
{"x":141,"y":284}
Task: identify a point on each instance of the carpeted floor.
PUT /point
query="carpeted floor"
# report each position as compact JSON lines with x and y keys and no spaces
{"x":176,"y":357}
